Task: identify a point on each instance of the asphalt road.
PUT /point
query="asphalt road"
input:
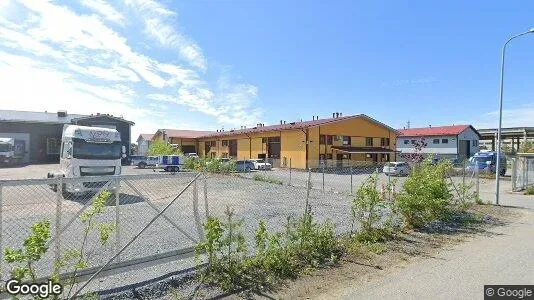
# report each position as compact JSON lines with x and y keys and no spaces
{"x":505,"y":257}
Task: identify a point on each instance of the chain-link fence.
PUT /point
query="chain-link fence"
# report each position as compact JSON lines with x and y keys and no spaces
{"x":158,"y":217}
{"x":522,"y":171}
{"x":143,"y":232}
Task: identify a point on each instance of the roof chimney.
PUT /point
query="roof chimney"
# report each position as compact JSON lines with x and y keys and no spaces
{"x":337,"y":115}
{"x":430,"y":125}
{"x":333,"y":115}
{"x":340,"y":114}
{"x":284,"y":122}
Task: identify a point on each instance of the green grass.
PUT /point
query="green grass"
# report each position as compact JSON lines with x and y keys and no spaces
{"x":529,"y":190}
{"x":264,"y":178}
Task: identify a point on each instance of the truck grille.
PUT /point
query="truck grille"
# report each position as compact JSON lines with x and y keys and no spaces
{"x":97,"y":171}
{"x":93,"y":185}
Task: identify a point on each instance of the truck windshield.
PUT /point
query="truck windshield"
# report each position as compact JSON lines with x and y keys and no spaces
{"x":87,"y":150}
{"x":5,"y":147}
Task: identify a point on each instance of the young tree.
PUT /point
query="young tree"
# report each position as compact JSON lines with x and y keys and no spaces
{"x":527,"y":147}
{"x":161,"y":148}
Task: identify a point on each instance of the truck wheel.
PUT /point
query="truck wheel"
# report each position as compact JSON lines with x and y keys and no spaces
{"x":65,"y":193}
{"x":141,"y":165}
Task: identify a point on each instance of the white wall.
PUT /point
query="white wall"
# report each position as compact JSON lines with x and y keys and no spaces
{"x":142,"y":146}
{"x":441,"y":148}
{"x":470,"y":135}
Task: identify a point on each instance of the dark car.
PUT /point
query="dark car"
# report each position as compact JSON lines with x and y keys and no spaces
{"x":244,"y":166}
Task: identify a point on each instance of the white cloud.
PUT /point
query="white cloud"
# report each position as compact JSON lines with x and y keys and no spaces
{"x":52,"y":58}
{"x":104,"y":9}
{"x":158,"y":26}
{"x":514,"y":117}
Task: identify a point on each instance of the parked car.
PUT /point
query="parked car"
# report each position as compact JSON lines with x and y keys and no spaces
{"x":244,"y":166}
{"x":260,"y":164}
{"x":487,"y":161}
{"x":191,"y":155}
{"x":396,"y":169}
{"x":148,"y":161}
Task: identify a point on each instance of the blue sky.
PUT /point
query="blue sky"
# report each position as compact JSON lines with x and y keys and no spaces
{"x":211,"y":64}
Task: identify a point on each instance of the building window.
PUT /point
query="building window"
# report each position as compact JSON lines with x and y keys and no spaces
{"x":385,"y":142}
{"x":385,"y":157}
{"x":322,"y":139}
{"x":53,"y":145}
{"x":436,"y":141}
{"x":329,"y":156}
{"x":329,"y":139}
{"x":212,"y":143}
{"x":225,"y":155}
{"x":264,"y":140}
{"x":475,"y":143}
{"x":322,"y":157}
{"x":212,"y":154}
{"x":225,"y":143}
{"x":406,"y":142}
{"x":368,"y":141}
{"x":444,"y":141}
{"x":413,"y":142}
{"x":346,"y":140}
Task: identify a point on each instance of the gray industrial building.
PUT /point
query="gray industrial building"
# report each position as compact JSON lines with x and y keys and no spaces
{"x":38,"y":134}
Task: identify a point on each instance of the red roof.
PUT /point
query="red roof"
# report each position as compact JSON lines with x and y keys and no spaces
{"x":147,"y":136}
{"x":185,"y":134}
{"x":434,"y":131}
{"x":292,"y":125}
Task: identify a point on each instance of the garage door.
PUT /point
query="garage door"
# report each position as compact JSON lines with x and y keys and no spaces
{"x":22,"y":144}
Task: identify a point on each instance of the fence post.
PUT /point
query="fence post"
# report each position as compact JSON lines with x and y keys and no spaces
{"x":478,"y":181}
{"x":290,"y":171}
{"x":351,"y":180}
{"x":117,"y":217}
{"x":308,"y":189}
{"x":195,"y":210}
{"x":59,"y":200}
{"x":206,"y":207}
{"x":1,"y":236}
{"x":464,"y":166}
{"x":514,"y":175}
{"x":323,"y":178}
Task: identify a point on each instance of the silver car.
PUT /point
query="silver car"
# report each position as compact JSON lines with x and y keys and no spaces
{"x":396,"y":169}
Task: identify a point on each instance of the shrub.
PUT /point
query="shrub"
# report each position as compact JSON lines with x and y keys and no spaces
{"x":529,"y":190}
{"x":303,"y":245}
{"x":425,"y":196}
{"x":368,"y":208}
{"x":226,"y":249}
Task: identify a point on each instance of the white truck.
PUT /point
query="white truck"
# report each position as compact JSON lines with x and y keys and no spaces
{"x":7,"y":151}
{"x":88,"y":151}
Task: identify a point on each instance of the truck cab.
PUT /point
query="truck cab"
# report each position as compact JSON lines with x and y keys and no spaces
{"x":7,"y":151}
{"x":88,"y":151}
{"x":487,"y":161}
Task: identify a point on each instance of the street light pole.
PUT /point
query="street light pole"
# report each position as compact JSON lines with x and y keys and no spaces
{"x":498,"y":164}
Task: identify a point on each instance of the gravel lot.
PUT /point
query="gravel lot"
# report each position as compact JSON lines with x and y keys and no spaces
{"x":251,"y":200}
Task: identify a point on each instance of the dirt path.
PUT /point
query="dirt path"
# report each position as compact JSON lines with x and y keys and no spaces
{"x":432,"y":266}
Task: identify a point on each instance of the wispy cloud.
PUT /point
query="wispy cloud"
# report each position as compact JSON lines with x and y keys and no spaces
{"x":158,"y":25}
{"x":80,"y":62}
{"x":104,"y":9}
{"x":515,"y":117}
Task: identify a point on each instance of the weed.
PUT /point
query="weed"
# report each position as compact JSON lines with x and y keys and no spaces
{"x":34,"y":248}
{"x":529,"y":190}
{"x":265,"y":178}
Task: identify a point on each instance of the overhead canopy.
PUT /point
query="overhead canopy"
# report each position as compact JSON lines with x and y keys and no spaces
{"x":346,"y":149}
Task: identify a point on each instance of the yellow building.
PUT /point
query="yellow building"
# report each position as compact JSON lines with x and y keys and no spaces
{"x":338,"y":140}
